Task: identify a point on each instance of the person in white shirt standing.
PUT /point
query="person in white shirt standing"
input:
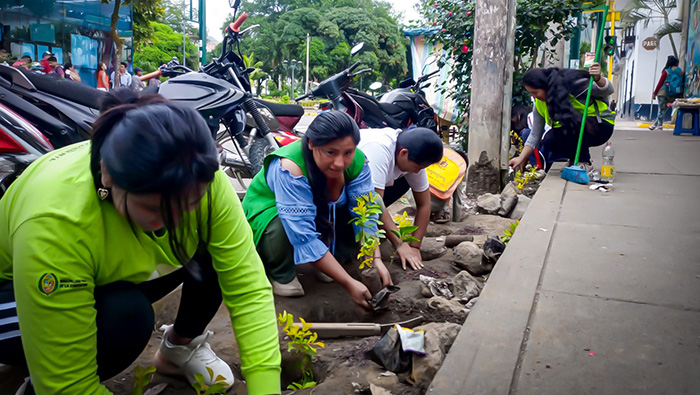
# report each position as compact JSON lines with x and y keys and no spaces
{"x":124,"y":77}
{"x":398,"y":160}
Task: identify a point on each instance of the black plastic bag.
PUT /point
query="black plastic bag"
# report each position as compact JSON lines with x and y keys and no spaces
{"x":388,"y":353}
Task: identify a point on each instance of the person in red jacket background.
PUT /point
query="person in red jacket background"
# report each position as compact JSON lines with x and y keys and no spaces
{"x":664,"y":98}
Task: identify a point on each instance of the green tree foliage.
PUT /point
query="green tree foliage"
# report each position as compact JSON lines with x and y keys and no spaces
{"x":166,"y":45}
{"x":646,"y":10}
{"x":145,"y":12}
{"x":451,"y":23}
{"x":334,"y":26}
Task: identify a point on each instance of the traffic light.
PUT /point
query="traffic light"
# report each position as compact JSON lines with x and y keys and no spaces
{"x":610,"y":45}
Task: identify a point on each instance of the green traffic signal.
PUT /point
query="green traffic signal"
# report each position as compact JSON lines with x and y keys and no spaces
{"x":610,"y":45}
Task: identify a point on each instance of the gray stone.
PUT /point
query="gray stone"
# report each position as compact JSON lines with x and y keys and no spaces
{"x":471,"y":303}
{"x":439,"y":337}
{"x":425,"y":292}
{"x":510,"y":189}
{"x":488,"y":203}
{"x":520,"y":207}
{"x":466,"y":287}
{"x":431,"y":248}
{"x":377,"y":390}
{"x":508,"y":202}
{"x":454,"y":240}
{"x":467,"y":254}
{"x":541,"y":174}
{"x":447,"y":308}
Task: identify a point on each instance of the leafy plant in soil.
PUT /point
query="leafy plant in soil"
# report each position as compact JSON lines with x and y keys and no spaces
{"x":508,"y":233}
{"x":142,"y":377}
{"x":368,"y":212}
{"x":302,"y":342}
{"x":522,"y":179}
{"x":219,"y":386}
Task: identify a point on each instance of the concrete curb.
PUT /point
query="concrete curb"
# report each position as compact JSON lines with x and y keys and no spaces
{"x":485,"y":354}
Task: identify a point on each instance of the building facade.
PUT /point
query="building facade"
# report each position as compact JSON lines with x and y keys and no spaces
{"x":76,"y":31}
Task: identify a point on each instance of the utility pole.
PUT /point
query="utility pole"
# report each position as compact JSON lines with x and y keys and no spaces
{"x":492,"y":69}
{"x":203,"y":31}
{"x":184,"y":33}
{"x":308,"y":41}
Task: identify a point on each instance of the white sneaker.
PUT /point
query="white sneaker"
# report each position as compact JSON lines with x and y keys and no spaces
{"x":660,"y":127}
{"x":292,"y":288}
{"x":191,"y":359}
{"x":652,"y":127}
{"x":25,"y":385}
{"x":324,"y":278}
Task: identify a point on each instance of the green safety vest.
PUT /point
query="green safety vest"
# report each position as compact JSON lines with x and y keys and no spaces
{"x":259,"y":203}
{"x":598,"y":109}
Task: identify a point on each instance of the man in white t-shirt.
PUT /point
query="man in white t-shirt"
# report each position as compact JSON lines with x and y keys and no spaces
{"x":398,"y":160}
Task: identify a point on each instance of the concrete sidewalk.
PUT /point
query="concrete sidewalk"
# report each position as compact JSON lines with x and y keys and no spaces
{"x":597,"y":293}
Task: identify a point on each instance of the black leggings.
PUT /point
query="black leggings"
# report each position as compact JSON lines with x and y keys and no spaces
{"x":118,"y":344}
{"x":558,"y":144}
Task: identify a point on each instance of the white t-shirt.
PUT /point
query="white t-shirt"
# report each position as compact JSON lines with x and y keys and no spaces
{"x":379,"y":146}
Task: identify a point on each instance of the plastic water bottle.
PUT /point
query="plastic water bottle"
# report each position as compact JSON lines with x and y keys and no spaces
{"x":607,"y":171}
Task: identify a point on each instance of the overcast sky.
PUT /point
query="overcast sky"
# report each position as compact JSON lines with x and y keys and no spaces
{"x":218,"y":10}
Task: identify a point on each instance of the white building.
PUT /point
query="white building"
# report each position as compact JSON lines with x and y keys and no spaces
{"x":640,"y":68}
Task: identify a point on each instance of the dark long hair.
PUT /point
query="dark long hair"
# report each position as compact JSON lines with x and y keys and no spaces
{"x":671,"y":61}
{"x":151,"y":145}
{"x":97,"y":72}
{"x":327,"y":127}
{"x":558,"y":84}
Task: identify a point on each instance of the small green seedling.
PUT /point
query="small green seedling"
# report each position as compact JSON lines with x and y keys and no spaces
{"x":219,"y":386}
{"x":302,"y":342}
{"x":142,"y":377}
{"x":521,"y":179}
{"x":368,"y":212}
{"x":406,"y":228}
{"x":508,"y":233}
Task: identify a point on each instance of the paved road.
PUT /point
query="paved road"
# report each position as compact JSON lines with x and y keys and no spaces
{"x":597,"y":293}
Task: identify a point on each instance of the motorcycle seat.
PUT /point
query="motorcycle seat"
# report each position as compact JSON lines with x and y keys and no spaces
{"x":390,"y":108}
{"x":66,"y":89}
{"x":282,"y":110}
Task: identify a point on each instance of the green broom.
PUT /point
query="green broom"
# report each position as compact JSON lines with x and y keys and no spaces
{"x":576,"y":173}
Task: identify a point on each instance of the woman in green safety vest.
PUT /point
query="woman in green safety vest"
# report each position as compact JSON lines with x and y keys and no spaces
{"x":300,"y":204}
{"x":93,"y":233}
{"x":559,"y":96}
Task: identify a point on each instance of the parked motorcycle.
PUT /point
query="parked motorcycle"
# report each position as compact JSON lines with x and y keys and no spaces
{"x":222,"y":93}
{"x":20,"y":144}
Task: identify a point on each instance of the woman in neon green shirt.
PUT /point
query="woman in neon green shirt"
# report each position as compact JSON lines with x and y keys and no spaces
{"x":559,"y":96}
{"x":93,"y":233}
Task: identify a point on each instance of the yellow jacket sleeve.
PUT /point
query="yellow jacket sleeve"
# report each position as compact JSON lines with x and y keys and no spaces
{"x":53,"y":278}
{"x":246,"y":291}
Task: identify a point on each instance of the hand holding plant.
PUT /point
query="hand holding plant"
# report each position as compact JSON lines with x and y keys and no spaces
{"x":405,"y":236}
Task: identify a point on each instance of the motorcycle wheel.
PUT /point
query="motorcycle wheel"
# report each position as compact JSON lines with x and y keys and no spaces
{"x":258,"y":151}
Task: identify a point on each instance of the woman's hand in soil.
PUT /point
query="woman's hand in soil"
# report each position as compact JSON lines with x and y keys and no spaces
{"x":359,"y":294}
{"x":410,"y":255}
{"x":518,"y":162}
{"x":383,"y":272}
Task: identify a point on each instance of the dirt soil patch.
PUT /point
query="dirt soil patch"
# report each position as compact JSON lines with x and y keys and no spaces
{"x":341,"y":367}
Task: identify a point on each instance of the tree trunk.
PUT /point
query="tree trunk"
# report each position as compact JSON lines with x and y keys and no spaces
{"x":670,"y":37}
{"x":115,"y":34}
{"x":490,"y":64}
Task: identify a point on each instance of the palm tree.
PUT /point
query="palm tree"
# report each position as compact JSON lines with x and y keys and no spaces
{"x":646,"y":10}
